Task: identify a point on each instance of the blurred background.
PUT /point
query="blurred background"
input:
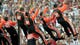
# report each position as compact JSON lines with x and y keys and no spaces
{"x":8,"y":8}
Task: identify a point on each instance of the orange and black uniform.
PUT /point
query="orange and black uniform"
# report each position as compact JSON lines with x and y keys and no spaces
{"x":31,"y":28}
{"x":21,"y":22}
{"x":2,"y":36}
{"x":12,"y":31}
{"x":64,"y":23}
{"x":49,"y":29}
{"x":45,"y":26}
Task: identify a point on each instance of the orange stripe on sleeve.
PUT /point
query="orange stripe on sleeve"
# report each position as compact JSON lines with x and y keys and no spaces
{"x":34,"y":15}
{"x":12,"y":23}
{"x":31,"y":10}
{"x":3,"y":21}
{"x":63,"y":8}
{"x":1,"y":25}
{"x":48,"y":19}
{"x":45,"y":10}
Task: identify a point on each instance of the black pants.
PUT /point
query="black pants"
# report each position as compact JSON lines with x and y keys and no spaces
{"x":50,"y":33}
{"x":24,"y":27}
{"x":45,"y":26}
{"x":3,"y":39}
{"x":15,"y":40}
{"x":67,"y":26}
{"x":31,"y":42}
{"x":13,"y":35}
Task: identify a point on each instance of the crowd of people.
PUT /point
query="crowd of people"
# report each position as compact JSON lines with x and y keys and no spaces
{"x":39,"y":21}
